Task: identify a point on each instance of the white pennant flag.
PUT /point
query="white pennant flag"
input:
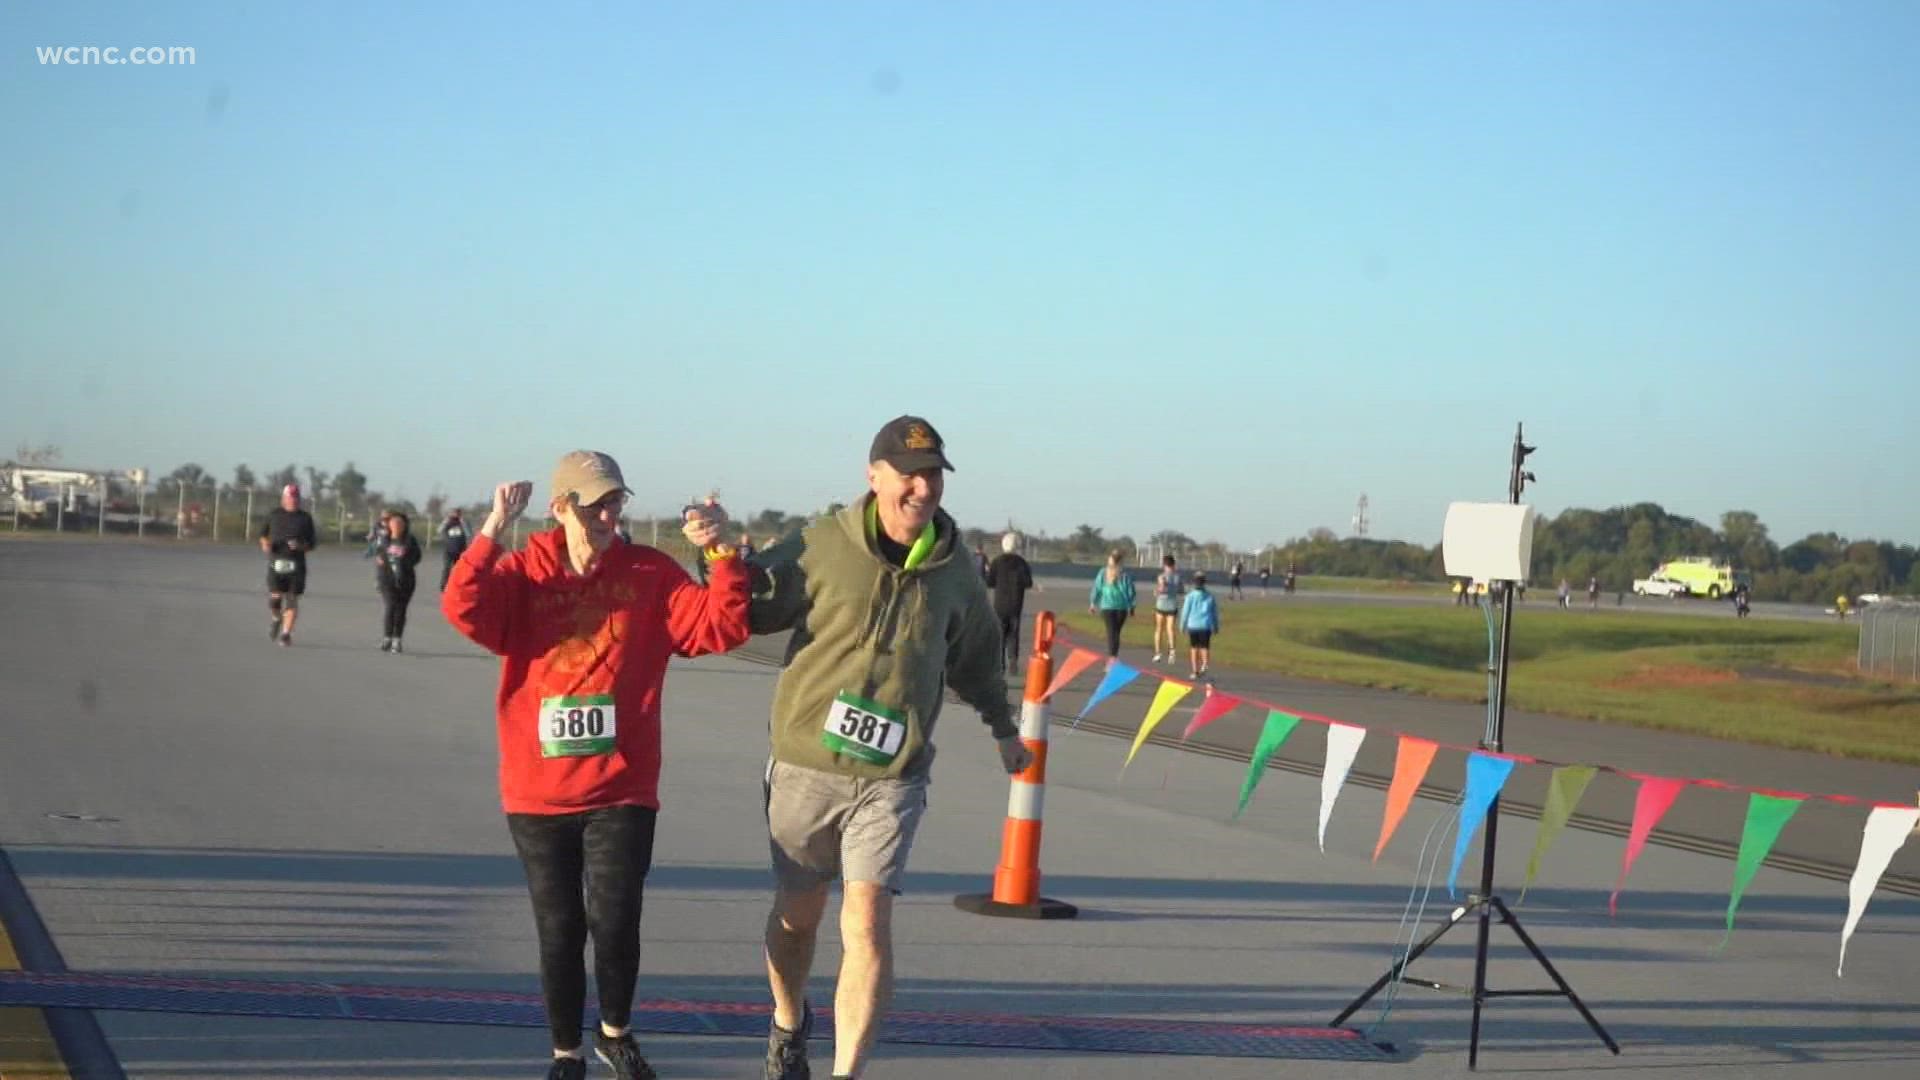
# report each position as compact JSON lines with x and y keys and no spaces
{"x":1343,"y":743}
{"x":1887,"y":830}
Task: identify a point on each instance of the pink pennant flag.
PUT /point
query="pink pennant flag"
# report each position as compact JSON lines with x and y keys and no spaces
{"x":1078,"y":661}
{"x":1215,"y":707}
{"x":1649,"y":806}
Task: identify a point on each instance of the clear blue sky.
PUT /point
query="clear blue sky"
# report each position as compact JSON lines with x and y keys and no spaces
{"x":1215,"y":267}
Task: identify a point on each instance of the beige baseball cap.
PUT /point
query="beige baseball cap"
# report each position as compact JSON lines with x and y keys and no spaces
{"x":588,"y":476}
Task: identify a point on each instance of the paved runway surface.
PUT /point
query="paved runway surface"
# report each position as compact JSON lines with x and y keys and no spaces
{"x":181,"y":798}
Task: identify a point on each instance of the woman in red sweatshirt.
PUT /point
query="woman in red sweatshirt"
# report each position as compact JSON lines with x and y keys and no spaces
{"x":584,"y":625}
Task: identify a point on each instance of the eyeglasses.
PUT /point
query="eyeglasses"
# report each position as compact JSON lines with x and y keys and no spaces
{"x":615,"y":504}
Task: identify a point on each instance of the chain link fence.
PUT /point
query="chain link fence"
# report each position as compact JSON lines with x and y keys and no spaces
{"x":209,"y":512}
{"x":220,"y":513}
{"x":1890,"y":640}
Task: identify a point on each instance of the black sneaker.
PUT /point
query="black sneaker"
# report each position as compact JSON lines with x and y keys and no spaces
{"x":568,"y":1068}
{"x":787,"y":1050}
{"x":386,"y":644}
{"x":286,"y":639}
{"x":622,"y":1055}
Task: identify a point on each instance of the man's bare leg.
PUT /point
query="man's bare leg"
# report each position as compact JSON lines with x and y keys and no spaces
{"x":866,"y":973}
{"x":792,"y":927}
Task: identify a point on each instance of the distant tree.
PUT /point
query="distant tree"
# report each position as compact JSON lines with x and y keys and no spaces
{"x":243,"y":479}
{"x":1172,"y":540}
{"x":1812,"y":552}
{"x":1899,"y":560}
{"x":771,"y":522}
{"x":44,"y":454}
{"x":1745,"y":543}
{"x":317,"y":480}
{"x":190,"y":476}
{"x":1088,"y":540}
{"x":1642,"y":548}
{"x":281,"y":477}
{"x":1740,"y":527}
{"x":351,"y":484}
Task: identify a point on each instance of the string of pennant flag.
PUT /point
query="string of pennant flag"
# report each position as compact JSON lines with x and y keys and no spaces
{"x":1888,"y":825}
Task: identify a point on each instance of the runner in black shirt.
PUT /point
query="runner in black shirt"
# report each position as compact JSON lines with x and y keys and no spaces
{"x":454,"y":532}
{"x":286,"y":536}
{"x":398,"y":554}
{"x":1009,"y":576}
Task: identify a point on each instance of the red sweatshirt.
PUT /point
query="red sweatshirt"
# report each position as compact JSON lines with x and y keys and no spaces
{"x":584,"y":660}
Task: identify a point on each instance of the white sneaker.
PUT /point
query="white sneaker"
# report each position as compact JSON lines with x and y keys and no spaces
{"x":1156,"y":658}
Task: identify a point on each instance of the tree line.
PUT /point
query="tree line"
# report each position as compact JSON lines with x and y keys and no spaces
{"x":1615,"y":545}
{"x":1623,"y":543}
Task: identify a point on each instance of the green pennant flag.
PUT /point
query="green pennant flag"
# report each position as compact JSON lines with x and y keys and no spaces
{"x":1272,"y":737}
{"x":1564,"y":789}
{"x":1766,"y":816}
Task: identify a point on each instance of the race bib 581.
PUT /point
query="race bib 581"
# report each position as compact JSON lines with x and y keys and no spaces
{"x":864,"y":729}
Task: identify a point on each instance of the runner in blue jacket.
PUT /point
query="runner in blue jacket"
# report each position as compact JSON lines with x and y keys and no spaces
{"x":1200,"y":617}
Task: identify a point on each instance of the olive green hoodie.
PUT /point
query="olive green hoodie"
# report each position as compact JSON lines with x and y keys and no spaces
{"x":891,"y":636}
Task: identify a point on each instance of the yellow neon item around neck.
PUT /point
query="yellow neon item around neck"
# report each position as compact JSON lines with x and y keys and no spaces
{"x":922,"y":545}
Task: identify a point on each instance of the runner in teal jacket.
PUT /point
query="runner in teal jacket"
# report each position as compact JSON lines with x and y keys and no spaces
{"x":1112,"y":599}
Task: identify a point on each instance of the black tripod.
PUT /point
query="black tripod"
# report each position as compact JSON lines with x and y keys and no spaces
{"x":1485,"y":902}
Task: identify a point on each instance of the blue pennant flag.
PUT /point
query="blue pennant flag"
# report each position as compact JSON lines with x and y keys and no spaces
{"x":1117,"y":676}
{"x":1485,"y":777}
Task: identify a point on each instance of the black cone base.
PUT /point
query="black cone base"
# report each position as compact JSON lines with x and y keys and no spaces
{"x":985,"y":904}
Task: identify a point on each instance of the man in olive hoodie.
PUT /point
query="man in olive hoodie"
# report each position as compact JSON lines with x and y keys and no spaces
{"x":887,"y":613}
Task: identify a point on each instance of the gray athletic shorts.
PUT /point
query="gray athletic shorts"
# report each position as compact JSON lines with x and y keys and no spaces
{"x":822,"y":826}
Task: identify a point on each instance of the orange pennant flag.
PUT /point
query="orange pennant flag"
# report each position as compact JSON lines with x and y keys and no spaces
{"x":1410,"y":764}
{"x":1078,"y":661}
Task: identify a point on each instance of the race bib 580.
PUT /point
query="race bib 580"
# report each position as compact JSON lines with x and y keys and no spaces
{"x":579,"y":726}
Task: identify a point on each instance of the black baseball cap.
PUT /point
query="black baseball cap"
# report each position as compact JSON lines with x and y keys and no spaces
{"x":910,"y":444}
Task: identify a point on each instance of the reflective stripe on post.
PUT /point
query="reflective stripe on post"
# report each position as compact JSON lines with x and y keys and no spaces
{"x":1016,"y":880}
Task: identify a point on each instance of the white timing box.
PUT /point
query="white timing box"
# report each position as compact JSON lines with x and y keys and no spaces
{"x":1488,"y":541}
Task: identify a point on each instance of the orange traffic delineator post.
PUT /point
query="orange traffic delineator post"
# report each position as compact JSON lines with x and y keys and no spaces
{"x":1016,"y":881}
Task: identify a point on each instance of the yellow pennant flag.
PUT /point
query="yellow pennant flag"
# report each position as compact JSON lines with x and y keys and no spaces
{"x":1164,"y":700}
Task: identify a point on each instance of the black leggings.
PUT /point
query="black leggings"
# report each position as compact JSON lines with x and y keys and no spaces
{"x":1115,"y":618}
{"x":1010,"y":637}
{"x":612,"y":848}
{"x":396,"y":617}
